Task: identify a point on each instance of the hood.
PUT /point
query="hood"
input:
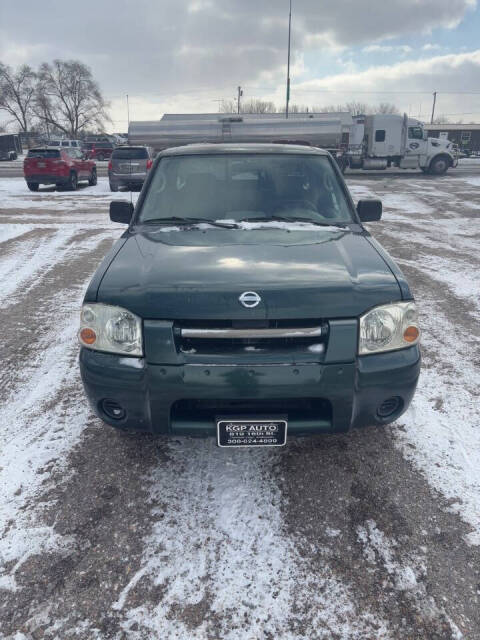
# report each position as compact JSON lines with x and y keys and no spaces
{"x":194,"y":273}
{"x":439,"y":144}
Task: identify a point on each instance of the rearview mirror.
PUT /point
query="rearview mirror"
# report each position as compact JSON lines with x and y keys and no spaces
{"x":121,"y":211}
{"x":369,"y":210}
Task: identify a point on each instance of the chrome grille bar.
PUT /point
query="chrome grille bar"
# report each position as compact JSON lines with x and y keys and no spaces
{"x":258,"y":334}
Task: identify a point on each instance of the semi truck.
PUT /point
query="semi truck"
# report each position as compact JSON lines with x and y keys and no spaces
{"x":371,"y":142}
{"x":10,"y":147}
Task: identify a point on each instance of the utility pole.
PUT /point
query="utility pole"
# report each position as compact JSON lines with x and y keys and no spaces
{"x":288,"y":62}
{"x":433,"y":107}
{"x":128,"y":114}
{"x":239,"y":95}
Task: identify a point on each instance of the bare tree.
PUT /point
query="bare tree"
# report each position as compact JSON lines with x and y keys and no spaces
{"x":441,"y":120}
{"x":258,"y":106}
{"x":68,"y":98}
{"x":227,"y":106}
{"x":251,"y":106}
{"x":300,"y":108}
{"x":357,"y":108}
{"x":17,"y":91}
{"x":387,"y":108}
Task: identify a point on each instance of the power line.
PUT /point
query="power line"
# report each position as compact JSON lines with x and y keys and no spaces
{"x":298,"y":90}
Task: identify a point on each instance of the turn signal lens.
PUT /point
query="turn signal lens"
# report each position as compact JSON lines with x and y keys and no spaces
{"x":411,"y":334}
{"x":88,"y":336}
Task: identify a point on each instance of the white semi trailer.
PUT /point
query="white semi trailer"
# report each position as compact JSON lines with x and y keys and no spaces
{"x":367,"y":142}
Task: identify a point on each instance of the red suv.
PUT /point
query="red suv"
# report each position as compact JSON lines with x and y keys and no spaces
{"x":98,"y":150}
{"x":62,"y":167}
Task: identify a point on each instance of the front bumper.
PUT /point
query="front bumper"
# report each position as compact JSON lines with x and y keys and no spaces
{"x":156,"y":397}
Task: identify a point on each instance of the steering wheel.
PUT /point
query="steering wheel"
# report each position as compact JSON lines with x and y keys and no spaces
{"x":298,"y":204}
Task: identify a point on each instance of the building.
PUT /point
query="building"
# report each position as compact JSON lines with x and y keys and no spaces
{"x":465,"y":136}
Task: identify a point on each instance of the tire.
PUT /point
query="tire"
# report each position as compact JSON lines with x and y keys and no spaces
{"x":13,"y":156}
{"x":100,"y":157}
{"x":92,"y":181}
{"x":72,"y":183}
{"x":33,"y":186}
{"x":113,"y":186}
{"x":439,"y":165}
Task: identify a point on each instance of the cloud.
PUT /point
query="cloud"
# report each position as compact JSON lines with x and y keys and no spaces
{"x":379,"y":48}
{"x":431,"y":47}
{"x":189,"y":52}
{"x":406,"y":83}
{"x":150,"y":45}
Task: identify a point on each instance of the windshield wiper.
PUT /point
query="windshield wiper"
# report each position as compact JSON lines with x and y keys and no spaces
{"x":293,"y":219}
{"x":185,"y":221}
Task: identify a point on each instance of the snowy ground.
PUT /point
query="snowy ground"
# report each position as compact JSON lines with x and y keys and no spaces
{"x":369,"y":535}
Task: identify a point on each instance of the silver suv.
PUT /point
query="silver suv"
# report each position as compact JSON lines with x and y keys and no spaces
{"x":129,"y":166}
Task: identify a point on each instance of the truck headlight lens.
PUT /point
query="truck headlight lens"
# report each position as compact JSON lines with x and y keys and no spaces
{"x":389,"y":327}
{"x":113,"y":329}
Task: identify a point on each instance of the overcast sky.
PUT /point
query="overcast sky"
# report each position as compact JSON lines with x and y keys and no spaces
{"x":184,"y":55}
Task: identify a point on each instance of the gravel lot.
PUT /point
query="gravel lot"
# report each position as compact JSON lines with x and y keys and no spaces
{"x":370,"y":535}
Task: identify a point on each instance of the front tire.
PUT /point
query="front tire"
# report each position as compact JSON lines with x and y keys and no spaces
{"x":439,"y":166}
{"x":113,"y":186}
{"x":100,"y":157}
{"x":72,"y":183}
{"x":33,"y":186}
{"x":93,"y":178}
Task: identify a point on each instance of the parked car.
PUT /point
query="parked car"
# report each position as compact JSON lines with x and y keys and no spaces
{"x":10,"y":146}
{"x":129,"y":166}
{"x":246,"y":299}
{"x":99,"y":150}
{"x":75,"y":144}
{"x":62,"y":167}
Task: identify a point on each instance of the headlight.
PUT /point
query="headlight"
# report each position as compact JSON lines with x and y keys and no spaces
{"x":389,"y":327}
{"x":112,"y":329}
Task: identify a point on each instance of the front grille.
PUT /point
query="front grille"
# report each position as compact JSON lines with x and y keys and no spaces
{"x":254,"y":336}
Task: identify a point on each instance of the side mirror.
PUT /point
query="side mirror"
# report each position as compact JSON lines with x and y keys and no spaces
{"x":369,"y":210}
{"x":121,"y":211}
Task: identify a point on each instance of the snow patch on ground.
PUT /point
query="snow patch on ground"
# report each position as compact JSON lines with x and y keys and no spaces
{"x":9,"y":231}
{"x":19,"y":269}
{"x":474,"y":181}
{"x":14,"y":194}
{"x":459,"y":276}
{"x":406,"y":574}
{"x":406,"y":203}
{"x":35,"y":441}
{"x":219,"y":547}
{"x":441,"y":429}
{"x":441,"y":432}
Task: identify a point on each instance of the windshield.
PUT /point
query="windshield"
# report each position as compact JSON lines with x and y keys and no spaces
{"x":130,"y":154}
{"x":246,"y":187}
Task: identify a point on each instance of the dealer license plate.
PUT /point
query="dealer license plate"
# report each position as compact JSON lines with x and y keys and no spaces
{"x":258,"y":432}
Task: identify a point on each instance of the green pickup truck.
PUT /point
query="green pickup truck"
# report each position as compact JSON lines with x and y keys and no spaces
{"x":247,"y":301}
